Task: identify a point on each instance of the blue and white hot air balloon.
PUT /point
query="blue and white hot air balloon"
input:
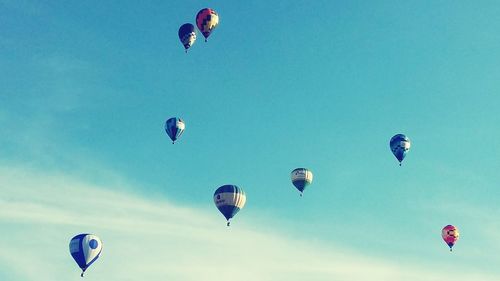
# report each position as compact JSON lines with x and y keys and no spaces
{"x":229,"y":199}
{"x":187,"y":35}
{"x":174,"y":128}
{"x":85,"y":249}
{"x":301,"y":178}
{"x":400,"y":145}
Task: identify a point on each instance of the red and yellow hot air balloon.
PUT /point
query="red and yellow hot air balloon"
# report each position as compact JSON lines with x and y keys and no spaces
{"x":206,"y":20}
{"x":450,"y":235}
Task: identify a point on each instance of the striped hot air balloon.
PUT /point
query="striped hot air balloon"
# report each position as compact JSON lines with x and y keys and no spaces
{"x":174,"y":128}
{"x":85,"y":250}
{"x":301,"y":178}
{"x":229,"y":199}
{"x":206,"y":21}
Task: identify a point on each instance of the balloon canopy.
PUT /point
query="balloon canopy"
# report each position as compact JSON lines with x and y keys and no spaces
{"x":187,"y":35}
{"x":450,"y":235}
{"x":301,"y":178}
{"x":400,"y":145}
{"x":174,"y":128}
{"x":229,"y":199}
{"x":85,"y":250}
{"x":206,"y":21}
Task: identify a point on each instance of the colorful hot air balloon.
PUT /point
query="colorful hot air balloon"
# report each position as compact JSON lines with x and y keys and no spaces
{"x":400,"y":145}
{"x":229,"y":199}
{"x":206,"y":21}
{"x":450,"y":235}
{"x":301,"y":178}
{"x":174,"y":128}
{"x":85,"y":249}
{"x":187,"y":35}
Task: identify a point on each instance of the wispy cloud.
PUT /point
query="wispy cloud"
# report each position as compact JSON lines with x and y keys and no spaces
{"x":147,"y":239}
{"x":52,"y":89}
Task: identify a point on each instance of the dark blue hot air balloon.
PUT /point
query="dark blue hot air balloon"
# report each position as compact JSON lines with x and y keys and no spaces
{"x":174,"y":128}
{"x":187,"y":35}
{"x":400,"y":145}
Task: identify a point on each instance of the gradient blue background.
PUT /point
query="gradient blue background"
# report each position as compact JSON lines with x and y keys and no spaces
{"x":86,"y":86}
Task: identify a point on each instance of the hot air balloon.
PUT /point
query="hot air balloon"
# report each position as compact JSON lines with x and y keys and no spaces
{"x":301,"y":178}
{"x":187,"y":35}
{"x":400,"y":145}
{"x":206,"y":21}
{"x":174,"y":128}
{"x":450,"y":235}
{"x":229,"y":199}
{"x":85,"y":249}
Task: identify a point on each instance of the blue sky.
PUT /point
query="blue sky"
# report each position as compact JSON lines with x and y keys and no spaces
{"x":87,"y":86}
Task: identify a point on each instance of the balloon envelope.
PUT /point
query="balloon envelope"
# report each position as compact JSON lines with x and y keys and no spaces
{"x":174,"y":128}
{"x":206,"y":21}
{"x":85,"y":249}
{"x":450,"y":235}
{"x":229,"y":199}
{"x":301,"y":178}
{"x":400,"y":145}
{"x":187,"y":35}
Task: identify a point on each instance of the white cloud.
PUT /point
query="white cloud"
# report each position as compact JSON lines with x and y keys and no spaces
{"x":148,"y":239}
